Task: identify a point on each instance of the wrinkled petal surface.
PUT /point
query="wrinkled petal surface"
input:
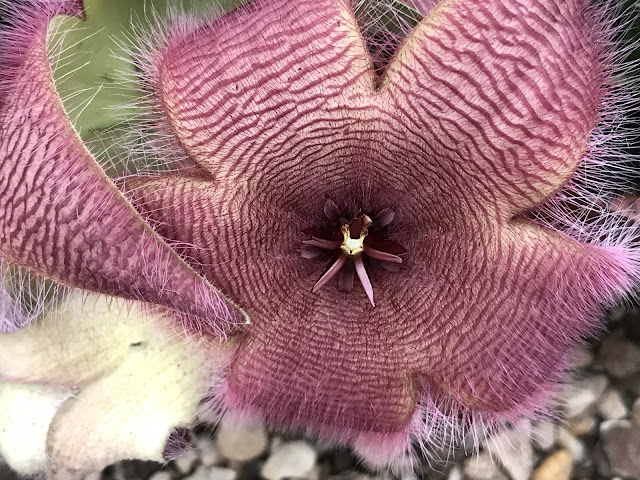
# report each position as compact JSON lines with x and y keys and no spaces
{"x":358,"y":353}
{"x":59,"y":214}
{"x":484,"y":113}
{"x":271,"y":95}
{"x":496,"y":100}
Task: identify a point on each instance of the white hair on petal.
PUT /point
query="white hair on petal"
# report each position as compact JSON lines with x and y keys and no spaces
{"x":147,"y":143}
{"x":581,"y":209}
{"x":25,"y":296}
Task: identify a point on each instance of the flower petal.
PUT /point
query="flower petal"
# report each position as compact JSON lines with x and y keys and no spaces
{"x":504,"y":312}
{"x":310,"y":339}
{"x":335,"y":383}
{"x":380,"y":255}
{"x":264,"y":96}
{"x":453,"y":302}
{"x":332,"y":271}
{"x":364,"y":278}
{"x":25,"y":414}
{"x":496,"y":100}
{"x":59,"y":214}
{"x":243,"y":245}
{"x":136,"y":382}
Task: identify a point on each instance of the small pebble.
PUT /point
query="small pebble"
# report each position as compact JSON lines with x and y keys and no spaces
{"x":583,"y":394}
{"x":619,"y":356}
{"x":513,"y":450}
{"x":581,"y":425}
{"x":293,"y":459}
{"x":635,"y":412}
{"x":455,"y":474}
{"x":611,"y":406}
{"x":482,"y":467}
{"x":209,"y":454}
{"x":620,"y":442}
{"x":160,"y":476}
{"x":217,"y":473}
{"x":186,"y":460}
{"x":543,"y":435}
{"x":557,"y":466}
{"x":276,"y":443}
{"x":241,"y":442}
{"x":571,"y":444}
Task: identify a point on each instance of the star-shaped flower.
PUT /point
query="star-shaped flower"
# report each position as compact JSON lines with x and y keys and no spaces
{"x":308,"y":163}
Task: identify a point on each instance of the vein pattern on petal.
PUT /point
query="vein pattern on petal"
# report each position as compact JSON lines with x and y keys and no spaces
{"x":59,"y":214}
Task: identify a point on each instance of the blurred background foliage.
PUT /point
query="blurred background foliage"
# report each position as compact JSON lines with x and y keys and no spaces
{"x":93,"y":59}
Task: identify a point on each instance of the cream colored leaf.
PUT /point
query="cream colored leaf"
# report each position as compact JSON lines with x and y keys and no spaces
{"x":79,"y":341}
{"x":128,"y":413}
{"x":25,"y":414}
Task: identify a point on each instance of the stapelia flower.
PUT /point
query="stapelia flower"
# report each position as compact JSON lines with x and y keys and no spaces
{"x":450,"y":179}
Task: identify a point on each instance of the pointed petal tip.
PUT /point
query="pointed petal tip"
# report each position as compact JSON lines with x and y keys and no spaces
{"x":331,"y":210}
{"x":364,"y":278}
{"x":384,"y":218}
{"x":329,"y":274}
{"x":382,"y":256}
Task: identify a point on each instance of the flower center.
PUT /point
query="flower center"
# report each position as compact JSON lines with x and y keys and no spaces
{"x":353,"y":241}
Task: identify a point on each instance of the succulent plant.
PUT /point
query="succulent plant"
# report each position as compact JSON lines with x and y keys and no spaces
{"x":461,"y":168}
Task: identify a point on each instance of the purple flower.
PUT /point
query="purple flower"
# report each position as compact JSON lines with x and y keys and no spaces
{"x":407,"y":236}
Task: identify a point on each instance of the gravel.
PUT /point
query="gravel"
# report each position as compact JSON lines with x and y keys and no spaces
{"x":483,"y":467}
{"x":543,"y":435}
{"x":557,"y":466}
{"x":290,"y":460}
{"x":620,"y":449}
{"x":513,"y":449}
{"x":241,"y":442}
